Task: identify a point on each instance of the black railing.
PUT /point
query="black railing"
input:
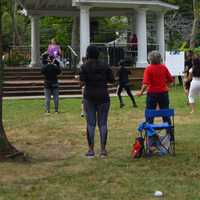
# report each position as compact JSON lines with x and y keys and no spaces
{"x":110,"y":53}
{"x":113,"y":53}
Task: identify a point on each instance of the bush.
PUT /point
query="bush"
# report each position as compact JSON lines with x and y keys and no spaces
{"x":17,"y":58}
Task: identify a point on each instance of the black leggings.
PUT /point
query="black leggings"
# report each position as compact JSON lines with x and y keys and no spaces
{"x":128,"y":90}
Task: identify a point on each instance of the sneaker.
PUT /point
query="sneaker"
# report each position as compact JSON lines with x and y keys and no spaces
{"x":82,"y":114}
{"x":47,"y":113}
{"x":56,"y":112}
{"x":90,"y":154}
{"x":135,"y":106}
{"x":103,"y":154}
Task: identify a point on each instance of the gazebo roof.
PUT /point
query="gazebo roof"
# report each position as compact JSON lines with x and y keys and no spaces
{"x":71,"y":7}
{"x":125,"y":3}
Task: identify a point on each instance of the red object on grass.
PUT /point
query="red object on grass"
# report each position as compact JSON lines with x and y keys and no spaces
{"x":137,"y":148}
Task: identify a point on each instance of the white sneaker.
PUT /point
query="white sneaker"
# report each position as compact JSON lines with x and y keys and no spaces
{"x":82,"y":114}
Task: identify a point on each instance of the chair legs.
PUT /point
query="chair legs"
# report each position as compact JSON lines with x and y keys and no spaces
{"x":159,"y":144}
{"x":172,"y":144}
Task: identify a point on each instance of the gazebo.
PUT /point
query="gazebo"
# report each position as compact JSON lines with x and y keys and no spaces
{"x":85,"y":8}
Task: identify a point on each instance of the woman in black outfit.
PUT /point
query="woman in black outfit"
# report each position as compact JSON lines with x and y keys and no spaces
{"x":95,"y":75}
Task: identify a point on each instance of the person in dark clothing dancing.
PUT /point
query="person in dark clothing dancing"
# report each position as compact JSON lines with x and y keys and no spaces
{"x":124,"y":84}
{"x":95,"y":75}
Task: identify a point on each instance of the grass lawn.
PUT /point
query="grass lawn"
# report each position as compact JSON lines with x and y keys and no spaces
{"x":60,"y":171}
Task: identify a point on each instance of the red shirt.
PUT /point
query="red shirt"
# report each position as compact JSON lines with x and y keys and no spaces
{"x":157,"y":77}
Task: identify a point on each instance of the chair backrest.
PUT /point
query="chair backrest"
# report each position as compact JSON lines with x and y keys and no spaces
{"x":159,"y":113}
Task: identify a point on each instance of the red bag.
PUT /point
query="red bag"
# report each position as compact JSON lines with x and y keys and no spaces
{"x":138,"y":148}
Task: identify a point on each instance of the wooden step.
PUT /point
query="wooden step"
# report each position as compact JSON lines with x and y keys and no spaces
{"x":39,"y":77}
{"x":34,"y":73}
{"x":41,"y":92}
{"x":28,"y":88}
{"x":38,"y":82}
{"x":23,"y":81}
{"x":38,"y":92}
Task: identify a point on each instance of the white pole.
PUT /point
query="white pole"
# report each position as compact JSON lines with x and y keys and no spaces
{"x":84,"y":30}
{"x":35,"y":42}
{"x":161,"y":34}
{"x":141,"y":30}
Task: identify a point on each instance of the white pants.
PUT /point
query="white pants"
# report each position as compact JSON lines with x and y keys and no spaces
{"x":194,"y":90}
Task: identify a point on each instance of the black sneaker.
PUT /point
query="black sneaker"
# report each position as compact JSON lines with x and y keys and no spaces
{"x":90,"y":154}
{"x":103,"y":154}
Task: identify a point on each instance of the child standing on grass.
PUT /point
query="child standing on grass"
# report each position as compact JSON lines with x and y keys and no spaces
{"x":84,"y":59}
{"x":124,"y":84}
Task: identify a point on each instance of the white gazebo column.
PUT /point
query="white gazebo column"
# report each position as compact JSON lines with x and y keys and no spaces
{"x":141,"y":31}
{"x":161,"y":34}
{"x":84,"y":30}
{"x":35,"y":41}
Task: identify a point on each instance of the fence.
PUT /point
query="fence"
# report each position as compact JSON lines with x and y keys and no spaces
{"x":109,"y":53}
{"x":113,"y":53}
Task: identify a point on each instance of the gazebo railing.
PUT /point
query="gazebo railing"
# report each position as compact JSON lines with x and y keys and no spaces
{"x":109,"y":53}
{"x":113,"y":53}
{"x":71,"y":57}
{"x":21,"y":55}
{"x":18,"y":55}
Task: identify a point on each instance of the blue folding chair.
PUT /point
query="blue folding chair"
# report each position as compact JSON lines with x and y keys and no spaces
{"x":159,"y":134}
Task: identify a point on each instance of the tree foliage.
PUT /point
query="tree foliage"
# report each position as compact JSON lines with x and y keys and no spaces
{"x":56,"y":27}
{"x":18,"y":31}
{"x":189,"y":8}
{"x":7,"y":150}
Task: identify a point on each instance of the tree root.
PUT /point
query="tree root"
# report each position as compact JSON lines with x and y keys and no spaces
{"x":16,"y":156}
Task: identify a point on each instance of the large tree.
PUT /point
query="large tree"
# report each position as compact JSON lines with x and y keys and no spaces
{"x":6,"y":149}
{"x":196,"y":20}
{"x":186,"y":20}
{"x":16,"y":36}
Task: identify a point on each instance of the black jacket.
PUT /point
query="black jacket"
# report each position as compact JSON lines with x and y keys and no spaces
{"x":95,"y":75}
{"x":50,"y":72}
{"x":123,"y":76}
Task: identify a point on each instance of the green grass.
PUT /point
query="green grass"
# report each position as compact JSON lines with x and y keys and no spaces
{"x":60,"y":171}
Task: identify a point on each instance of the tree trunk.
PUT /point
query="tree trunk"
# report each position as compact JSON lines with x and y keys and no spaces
{"x":16,"y":36}
{"x":75,"y":41}
{"x":195,"y":25}
{"x":193,"y":34}
{"x":75,"y":34}
{"x":6,"y":149}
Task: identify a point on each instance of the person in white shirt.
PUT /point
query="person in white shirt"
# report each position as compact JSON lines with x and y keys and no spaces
{"x":194,"y":91}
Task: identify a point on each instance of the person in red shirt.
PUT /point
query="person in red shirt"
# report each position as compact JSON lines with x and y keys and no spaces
{"x":157,"y":79}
